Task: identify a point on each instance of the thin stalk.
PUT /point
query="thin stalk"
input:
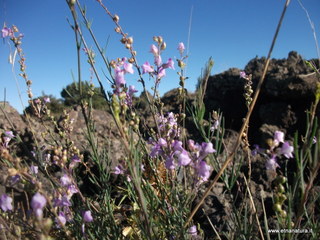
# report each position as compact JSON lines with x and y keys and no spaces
{"x":246,"y":120}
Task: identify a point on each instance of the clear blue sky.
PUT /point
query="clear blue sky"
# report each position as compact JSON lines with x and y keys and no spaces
{"x":231,"y":31}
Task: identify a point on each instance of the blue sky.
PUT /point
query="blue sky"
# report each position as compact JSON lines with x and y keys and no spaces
{"x":231,"y":32}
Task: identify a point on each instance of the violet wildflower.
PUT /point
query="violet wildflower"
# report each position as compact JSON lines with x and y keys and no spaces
{"x":46,"y":100}
{"x":65,"y":180}
{"x":147,"y":68}
{"x":132,"y":90}
{"x":255,"y":150}
{"x":287,"y":150}
{"x":191,"y":145}
{"x":5,"y":202}
{"x":215,"y":125}
{"x":272,"y":164}
{"x":72,"y":189}
{"x":193,"y":230}
{"x":87,"y":217}
{"x":278,"y":138}
{"x":181,"y":47}
{"x":34,"y":169}
{"x":119,"y":77}
{"x":162,"y":142}
{"x":128,"y":67}
{"x":161,"y":73}
{"x":61,"y":220}
{"x":118,"y":170}
{"x":177,"y":145}
{"x":314,"y":140}
{"x":62,"y":201}
{"x":170,"y":163}
{"x":207,"y":148}
{"x":38,"y":202}
{"x":204,"y":171}
{"x":6,"y":32}
{"x":15,"y":179}
{"x":154,"y":50}
{"x":8,"y":135}
{"x":169,"y":64}
{"x":243,"y":74}
{"x":158,"y":60}
{"x":74,"y":161}
{"x":183,"y":158}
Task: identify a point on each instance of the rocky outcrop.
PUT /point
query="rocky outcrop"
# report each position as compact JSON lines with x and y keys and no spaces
{"x":288,"y":91}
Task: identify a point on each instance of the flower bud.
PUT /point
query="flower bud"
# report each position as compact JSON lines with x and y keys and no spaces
{"x":163,"y":46}
{"x":130,"y":40}
{"x":116,"y":18}
{"x":283,"y":213}
{"x":277,"y":207}
{"x":123,"y":40}
{"x":280,"y":188}
{"x":117,"y":29}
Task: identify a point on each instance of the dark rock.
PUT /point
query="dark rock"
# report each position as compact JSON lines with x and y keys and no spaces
{"x":288,"y":91}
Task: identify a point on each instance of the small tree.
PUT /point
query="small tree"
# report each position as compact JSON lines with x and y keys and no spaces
{"x":73,"y":94}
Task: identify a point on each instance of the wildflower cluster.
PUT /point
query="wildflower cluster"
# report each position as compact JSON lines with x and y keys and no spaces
{"x":171,"y":149}
{"x":159,"y":69}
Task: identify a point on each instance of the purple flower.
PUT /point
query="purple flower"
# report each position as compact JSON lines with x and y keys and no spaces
{"x":65,"y":180}
{"x":62,"y":202}
{"x":272,"y":164}
{"x":119,"y":77}
{"x":177,"y":146}
{"x":162,"y":142}
{"x":193,"y":230}
{"x":204,"y":170}
{"x":87,"y":217}
{"x":161,"y":73}
{"x":314,"y":140}
{"x":287,"y":150}
{"x":154,"y":50}
{"x":118,"y":170}
{"x":170,"y":163}
{"x":278,"y":137}
{"x":5,"y":202}
{"x":61,"y":220}
{"x":169,"y":64}
{"x":181,"y":47}
{"x":5,"y":32}
{"x":132,"y":90}
{"x":147,"y":68}
{"x":183,"y":158}
{"x":34,"y":169}
{"x":72,"y":189}
{"x":243,"y":74}
{"x":128,"y":67}
{"x":207,"y":148}
{"x":158,"y":60}
{"x":38,"y":202}
{"x":8,"y":135}
{"x":46,"y":100}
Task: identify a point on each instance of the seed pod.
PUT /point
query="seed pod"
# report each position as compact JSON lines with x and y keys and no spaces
{"x":280,"y":188}
{"x":277,"y":207}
